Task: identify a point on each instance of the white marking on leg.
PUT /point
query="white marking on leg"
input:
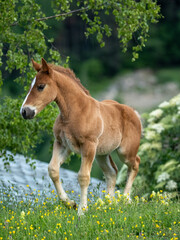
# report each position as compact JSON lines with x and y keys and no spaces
{"x":32,"y":85}
{"x":83,"y":201}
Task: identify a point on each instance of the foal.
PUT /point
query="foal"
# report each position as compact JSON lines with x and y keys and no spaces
{"x":85,"y":126}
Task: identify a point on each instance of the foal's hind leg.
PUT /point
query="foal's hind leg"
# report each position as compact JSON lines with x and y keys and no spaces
{"x":59,"y":156}
{"x":133,"y":167}
{"x":110,"y":172}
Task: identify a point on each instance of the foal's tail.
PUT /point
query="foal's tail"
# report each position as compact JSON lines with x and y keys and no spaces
{"x":139,"y":116}
{"x":113,"y":164}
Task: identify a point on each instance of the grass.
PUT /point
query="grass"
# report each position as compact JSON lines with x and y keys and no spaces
{"x":42,"y":217}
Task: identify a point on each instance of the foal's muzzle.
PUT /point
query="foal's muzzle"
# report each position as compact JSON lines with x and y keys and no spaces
{"x":27,"y":113}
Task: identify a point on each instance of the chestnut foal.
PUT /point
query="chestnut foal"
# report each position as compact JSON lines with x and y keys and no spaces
{"x":85,"y":126}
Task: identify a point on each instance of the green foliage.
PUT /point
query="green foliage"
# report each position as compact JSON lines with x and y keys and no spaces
{"x":160,"y":149}
{"x":130,"y":17}
{"x":22,"y":26}
{"x":168,"y":75}
{"x":162,"y":48}
{"x":22,"y":136}
{"x":93,"y":69}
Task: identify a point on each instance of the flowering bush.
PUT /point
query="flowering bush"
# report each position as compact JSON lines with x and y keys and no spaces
{"x":160,"y":148}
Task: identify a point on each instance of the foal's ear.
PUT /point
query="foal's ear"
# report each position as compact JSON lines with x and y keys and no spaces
{"x":36,"y":65}
{"x":45,"y":67}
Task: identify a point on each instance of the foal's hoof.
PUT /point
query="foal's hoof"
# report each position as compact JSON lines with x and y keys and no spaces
{"x":128,"y":198}
{"x":81,"y":211}
{"x":73,"y":205}
{"x":70,"y":204}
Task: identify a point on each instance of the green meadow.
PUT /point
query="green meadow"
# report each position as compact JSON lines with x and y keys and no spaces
{"x":36,"y":216}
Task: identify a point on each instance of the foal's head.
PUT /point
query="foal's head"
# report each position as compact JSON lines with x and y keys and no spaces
{"x":43,"y":90}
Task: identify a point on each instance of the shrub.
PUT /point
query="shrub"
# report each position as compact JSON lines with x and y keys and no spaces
{"x":160,"y":149}
{"x":20,"y":136}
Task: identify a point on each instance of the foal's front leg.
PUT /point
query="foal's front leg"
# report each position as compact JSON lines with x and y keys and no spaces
{"x":59,"y":156}
{"x":88,"y":151}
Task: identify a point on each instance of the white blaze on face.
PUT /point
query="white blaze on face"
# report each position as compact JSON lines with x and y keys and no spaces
{"x":31,"y":107}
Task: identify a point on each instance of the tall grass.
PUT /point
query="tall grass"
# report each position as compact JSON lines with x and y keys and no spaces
{"x":37,"y":216}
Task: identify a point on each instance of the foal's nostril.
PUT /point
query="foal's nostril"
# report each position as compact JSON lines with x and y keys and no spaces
{"x":32,"y":114}
{"x":24,"y":113}
{"x":28,"y":113}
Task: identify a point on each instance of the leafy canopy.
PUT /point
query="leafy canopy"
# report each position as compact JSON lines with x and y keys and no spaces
{"x":23,"y":24}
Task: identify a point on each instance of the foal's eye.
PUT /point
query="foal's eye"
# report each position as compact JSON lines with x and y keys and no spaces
{"x":41,"y":87}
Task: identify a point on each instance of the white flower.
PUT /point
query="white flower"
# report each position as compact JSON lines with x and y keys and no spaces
{"x":175,"y":100}
{"x":143,"y":199}
{"x":157,"y":127}
{"x":145,"y":146}
{"x":150,"y":135}
{"x":156,"y":113}
{"x":163,"y":177}
{"x":22,"y":215}
{"x":108,"y":197}
{"x":150,"y":120}
{"x":171,"y":185}
{"x":174,"y":119}
{"x":179,"y":110}
{"x":153,"y":194}
{"x":118,"y":194}
{"x":100,"y":202}
{"x":148,"y":146}
{"x":56,"y":209}
{"x":156,"y":145}
{"x":164,"y":104}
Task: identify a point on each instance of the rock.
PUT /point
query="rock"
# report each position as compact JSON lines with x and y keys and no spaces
{"x":140,"y":90}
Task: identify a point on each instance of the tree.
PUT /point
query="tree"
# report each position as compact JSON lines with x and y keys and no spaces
{"x":23,"y":27}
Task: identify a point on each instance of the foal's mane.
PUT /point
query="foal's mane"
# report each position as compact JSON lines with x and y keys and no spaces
{"x":69,"y":73}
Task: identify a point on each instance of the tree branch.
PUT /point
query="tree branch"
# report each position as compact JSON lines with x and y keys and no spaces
{"x":58,"y":15}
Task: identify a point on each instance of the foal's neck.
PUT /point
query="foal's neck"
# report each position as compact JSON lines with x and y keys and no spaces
{"x":70,"y":97}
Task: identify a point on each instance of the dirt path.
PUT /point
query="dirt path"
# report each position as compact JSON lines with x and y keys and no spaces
{"x":140,"y":90}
